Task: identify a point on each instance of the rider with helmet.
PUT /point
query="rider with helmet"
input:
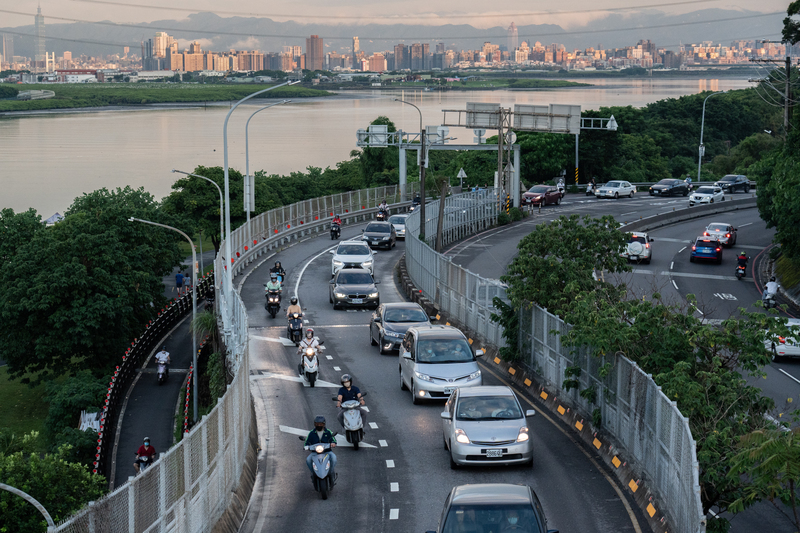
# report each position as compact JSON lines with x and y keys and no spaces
{"x":320,"y":434}
{"x":742,"y":259}
{"x":273,"y":284}
{"x":771,"y":288}
{"x":293,"y":308}
{"x":337,"y":219}
{"x":278,"y":270}
{"x":309,"y":341}
{"x":348,"y":392}
{"x":163,"y":357}
{"x":145,"y":454}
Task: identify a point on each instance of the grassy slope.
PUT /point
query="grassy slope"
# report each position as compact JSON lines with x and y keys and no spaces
{"x":24,"y":408}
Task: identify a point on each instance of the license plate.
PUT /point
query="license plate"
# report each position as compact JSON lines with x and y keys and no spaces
{"x":634,"y":257}
{"x":494,"y":453}
{"x":449,"y":390}
{"x":358,"y":300}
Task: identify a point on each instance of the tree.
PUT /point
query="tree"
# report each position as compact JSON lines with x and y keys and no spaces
{"x":791,"y":28}
{"x":77,"y":293}
{"x":61,"y":486}
{"x":17,"y":229}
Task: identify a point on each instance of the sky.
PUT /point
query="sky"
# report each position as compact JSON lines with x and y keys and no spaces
{"x":568,"y":13}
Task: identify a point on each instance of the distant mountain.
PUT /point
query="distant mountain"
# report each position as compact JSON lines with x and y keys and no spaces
{"x":220,"y":34}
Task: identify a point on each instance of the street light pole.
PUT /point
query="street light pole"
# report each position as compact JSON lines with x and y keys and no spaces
{"x":247,"y":184}
{"x":422,"y":158}
{"x":194,"y":303}
{"x":221,"y":203}
{"x":702,"y":149}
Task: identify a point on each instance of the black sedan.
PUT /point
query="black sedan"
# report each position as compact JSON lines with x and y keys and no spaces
{"x":354,"y":287}
{"x":380,"y":234}
{"x":391,"y":321}
{"x":734,"y":182}
{"x":670,"y":187}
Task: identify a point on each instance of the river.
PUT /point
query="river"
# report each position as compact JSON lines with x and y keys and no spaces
{"x":48,"y":159}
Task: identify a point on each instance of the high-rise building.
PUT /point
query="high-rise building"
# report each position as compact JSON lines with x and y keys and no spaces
{"x":420,"y":56}
{"x":401,"y":57}
{"x":513,"y":38}
{"x":377,"y":63}
{"x":40,"y":53}
{"x":356,"y":50}
{"x":314,"y":55}
{"x":440,"y":48}
{"x":7,"y":47}
{"x":67,"y":56}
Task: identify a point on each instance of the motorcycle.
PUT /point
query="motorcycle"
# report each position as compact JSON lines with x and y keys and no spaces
{"x":144,"y":462}
{"x":414,"y":204}
{"x":210,"y":299}
{"x":353,"y":423}
{"x":770,"y":301}
{"x":561,"y":188}
{"x":321,"y":463}
{"x":589,"y":190}
{"x":163,"y":373}
{"x":273,"y":303}
{"x":309,"y":370}
{"x":336,"y":231}
{"x":295,"y":328}
{"x":740,"y":271}
{"x":382,"y":215}
{"x":688,"y":184}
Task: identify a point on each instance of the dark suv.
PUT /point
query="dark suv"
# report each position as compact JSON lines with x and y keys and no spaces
{"x":734,"y":182}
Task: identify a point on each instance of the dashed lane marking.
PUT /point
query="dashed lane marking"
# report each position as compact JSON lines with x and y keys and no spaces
{"x":282,"y":340}
{"x":389,"y":463}
{"x":394,"y":487}
{"x":394,"y":514}
{"x":329,"y":357}
{"x":373,"y":425}
{"x":337,"y":369}
{"x":383,"y":443}
{"x":674,"y":284}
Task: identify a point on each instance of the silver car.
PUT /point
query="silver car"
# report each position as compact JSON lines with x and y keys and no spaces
{"x":615,"y":189}
{"x":435,"y":361}
{"x":486,"y":425}
{"x":399,"y":223}
{"x":352,"y":254}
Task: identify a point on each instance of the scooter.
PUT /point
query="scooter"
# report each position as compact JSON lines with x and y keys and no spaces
{"x":144,"y":462}
{"x":589,"y":190}
{"x":414,"y":205}
{"x":740,"y":271}
{"x":210,"y":299}
{"x":273,"y":303}
{"x":770,"y":301}
{"x":321,"y":463}
{"x":295,"y":328}
{"x":163,"y":373}
{"x":381,"y":215}
{"x":310,"y":368}
{"x":336,"y":231}
{"x":561,"y":188}
{"x":353,"y":423}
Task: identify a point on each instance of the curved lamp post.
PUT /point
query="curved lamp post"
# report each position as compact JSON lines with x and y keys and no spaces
{"x":221,"y":204}
{"x":33,"y":501}
{"x":194,"y":302}
{"x":702,"y":149}
{"x":423,"y":154}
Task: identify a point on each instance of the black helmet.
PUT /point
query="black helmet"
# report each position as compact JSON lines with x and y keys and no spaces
{"x":772,"y":278}
{"x":346,"y":378}
{"x":294,"y":300}
{"x":319,"y":422}
{"x":277,"y":264}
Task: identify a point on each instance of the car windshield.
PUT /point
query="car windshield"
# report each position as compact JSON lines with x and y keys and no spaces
{"x":667,"y":182}
{"x":404,"y":315}
{"x":488,"y":408}
{"x":352,"y":249}
{"x":717,"y":227}
{"x":705,"y":243}
{"x":353,"y":278}
{"x":378,"y":228}
{"x":538,"y":189}
{"x":495,"y":517}
{"x":613,"y":184}
{"x":728,"y":178}
{"x":638,"y":238}
{"x":397,"y":219}
{"x":444,"y":351}
{"x":705,"y":190}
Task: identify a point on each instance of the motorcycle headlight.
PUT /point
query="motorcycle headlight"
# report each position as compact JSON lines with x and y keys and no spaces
{"x":461,"y":436}
{"x":319,"y":448}
{"x":523,"y":434}
{"x":310,"y":351}
{"x":374,"y":294}
{"x":475,"y":375}
{"x":422,"y":377}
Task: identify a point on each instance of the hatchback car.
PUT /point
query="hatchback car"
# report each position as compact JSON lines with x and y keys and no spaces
{"x":399,"y":224}
{"x":354,"y":287}
{"x":492,"y":507}
{"x":542,"y":195}
{"x":638,"y":248}
{"x":435,"y":361}
{"x":615,"y":189}
{"x":725,"y":233}
{"x":669,"y":187}
{"x":352,"y":254}
{"x":786,"y":346}
{"x":706,"y":247}
{"x":486,"y":425}
{"x":380,"y":234}
{"x":707,"y":194}
{"x":390,"y":322}
{"x":734,"y":182}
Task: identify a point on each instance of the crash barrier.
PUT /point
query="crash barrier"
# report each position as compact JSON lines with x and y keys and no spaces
{"x":126,"y":371}
{"x":190,"y":486}
{"x":635,"y":413}
{"x":679,"y":215}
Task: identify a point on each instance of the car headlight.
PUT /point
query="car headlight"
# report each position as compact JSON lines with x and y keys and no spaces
{"x":475,"y":375}
{"x":422,"y":377}
{"x":337,"y":263}
{"x":523,"y":434}
{"x":340,"y":294}
{"x":461,"y":436}
{"x":374,"y":294}
{"x":367,"y":264}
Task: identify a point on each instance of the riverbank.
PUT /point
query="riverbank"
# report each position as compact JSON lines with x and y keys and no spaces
{"x":75,"y":96}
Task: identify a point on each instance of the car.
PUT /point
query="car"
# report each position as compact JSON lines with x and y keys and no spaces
{"x":706,"y":247}
{"x":490,"y":507}
{"x":785,"y":346}
{"x":399,"y":223}
{"x":380,"y":234}
{"x":486,"y":426}
{"x":638,"y":248}
{"x":435,"y":361}
{"x":615,"y":189}
{"x":733,"y":182}
{"x":707,"y":194}
{"x":354,"y":287}
{"x":542,"y":195}
{"x":726,"y":234}
{"x":352,"y":254}
{"x":390,"y":322}
{"x":669,"y":187}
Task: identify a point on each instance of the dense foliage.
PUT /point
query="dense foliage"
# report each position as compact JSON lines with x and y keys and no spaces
{"x":6,"y":91}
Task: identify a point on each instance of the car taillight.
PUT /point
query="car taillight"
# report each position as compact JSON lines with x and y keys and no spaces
{"x":782,"y":340}
{"x":694,"y":248}
{"x":647,"y":245}
{"x":706,"y":233}
{"x":718,"y":249}
{"x":728,"y":235}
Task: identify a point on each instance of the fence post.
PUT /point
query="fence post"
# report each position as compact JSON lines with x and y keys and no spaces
{"x":162,"y":494}
{"x":132,"y":504}
{"x":187,"y":481}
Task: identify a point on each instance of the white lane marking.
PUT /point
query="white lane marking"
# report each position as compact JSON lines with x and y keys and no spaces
{"x":743,"y":225}
{"x":667,"y":239}
{"x":304,"y":432}
{"x":302,"y":271}
{"x":305,"y":320}
{"x":394,"y":514}
{"x":282,"y":340}
{"x":364,"y":407}
{"x":626,"y":214}
{"x":337,"y":369}
{"x":342,"y":326}
{"x":394,"y":487}
{"x":296,"y":379}
{"x":383,"y":443}
{"x":699,"y":276}
{"x":699,"y":311}
{"x":329,"y":357}
{"x":789,"y":375}
{"x":675,"y":284}
{"x":682,"y":249}
{"x":373,"y":425}
{"x":389,"y":463}
{"x":672,"y":264}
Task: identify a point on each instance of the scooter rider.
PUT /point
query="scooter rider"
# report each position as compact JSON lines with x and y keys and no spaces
{"x":321,"y":435}
{"x":742,"y":260}
{"x":163,"y":357}
{"x":337,"y":219}
{"x":771,"y":288}
{"x":273,"y":284}
{"x":310,"y":341}
{"x":145,"y":450}
{"x":278,"y":270}
{"x":293,"y":308}
{"x":383,"y":206}
{"x":348,"y":392}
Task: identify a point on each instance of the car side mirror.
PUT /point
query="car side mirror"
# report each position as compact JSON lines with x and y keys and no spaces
{"x":332,"y":252}
{"x":362,"y":231}
{"x":445,"y":415}
{"x":433,"y":318}
{"x":652,"y":239}
{"x":377,"y":320}
{"x":407,"y":355}
{"x":332,"y":282}
{"x":530,"y":412}
{"x":479,"y":353}
{"x":377,"y":282}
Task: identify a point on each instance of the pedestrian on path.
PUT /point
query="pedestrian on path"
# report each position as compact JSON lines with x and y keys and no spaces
{"x":179,"y":281}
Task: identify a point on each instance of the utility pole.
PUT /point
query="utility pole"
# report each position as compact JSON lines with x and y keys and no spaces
{"x":440,"y":227}
{"x":422,"y":159}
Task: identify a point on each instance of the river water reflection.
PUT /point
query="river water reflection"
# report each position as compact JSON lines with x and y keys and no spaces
{"x":47,"y":160}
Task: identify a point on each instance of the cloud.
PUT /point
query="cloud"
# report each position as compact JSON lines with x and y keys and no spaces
{"x":205,"y":44}
{"x":251,"y":43}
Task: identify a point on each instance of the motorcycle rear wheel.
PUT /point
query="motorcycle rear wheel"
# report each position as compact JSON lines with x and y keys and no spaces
{"x":312,"y":378}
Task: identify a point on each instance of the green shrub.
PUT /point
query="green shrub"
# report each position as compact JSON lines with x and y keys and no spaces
{"x":67,"y":399}
{"x":516,"y":214}
{"x":8,"y":92}
{"x":503,"y":219}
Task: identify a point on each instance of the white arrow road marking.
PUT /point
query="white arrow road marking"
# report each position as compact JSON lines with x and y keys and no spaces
{"x":282,"y":340}
{"x":304,"y":432}
{"x":296,"y":379}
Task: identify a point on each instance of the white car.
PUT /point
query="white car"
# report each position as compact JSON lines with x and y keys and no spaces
{"x":785,"y":346}
{"x":615,"y":189}
{"x":352,"y":254}
{"x":638,"y":248}
{"x":399,"y":223}
{"x":707,"y":194}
